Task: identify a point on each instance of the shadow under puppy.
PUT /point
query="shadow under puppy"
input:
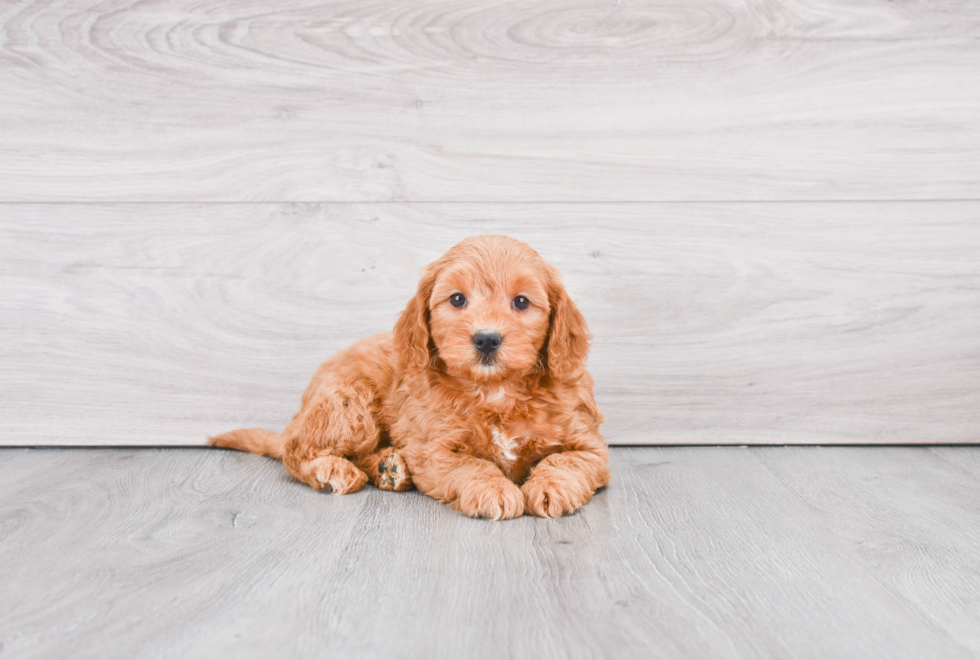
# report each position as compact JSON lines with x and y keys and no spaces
{"x":479,"y":397}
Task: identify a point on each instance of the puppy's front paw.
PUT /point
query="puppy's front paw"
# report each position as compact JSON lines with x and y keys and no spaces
{"x":497,"y":499}
{"x":554,"y":494}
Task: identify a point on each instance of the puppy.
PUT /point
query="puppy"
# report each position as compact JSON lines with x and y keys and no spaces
{"x":480,"y":397}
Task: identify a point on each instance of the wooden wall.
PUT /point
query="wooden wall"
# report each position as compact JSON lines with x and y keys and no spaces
{"x":769,"y":211}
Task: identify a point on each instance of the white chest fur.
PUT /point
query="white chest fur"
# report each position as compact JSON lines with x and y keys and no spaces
{"x":508,"y":446}
{"x":495,"y":397}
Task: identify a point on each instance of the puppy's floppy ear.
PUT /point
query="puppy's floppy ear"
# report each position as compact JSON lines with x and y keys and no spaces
{"x":412,"y":338}
{"x":568,"y":337}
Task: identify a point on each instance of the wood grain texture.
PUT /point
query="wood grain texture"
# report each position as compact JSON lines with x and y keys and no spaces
{"x":910,"y":525}
{"x":690,"y":553}
{"x":386,"y":100}
{"x":157,"y":324}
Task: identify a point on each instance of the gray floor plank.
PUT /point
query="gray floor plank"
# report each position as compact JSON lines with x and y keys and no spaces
{"x":690,"y":553}
{"x":967,"y":461}
{"x":153,"y":324}
{"x":595,"y":100}
{"x":911,"y":516}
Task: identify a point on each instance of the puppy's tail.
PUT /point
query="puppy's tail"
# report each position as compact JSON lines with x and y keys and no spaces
{"x":255,"y":441}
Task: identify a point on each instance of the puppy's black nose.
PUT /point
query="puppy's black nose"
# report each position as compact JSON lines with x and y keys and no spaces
{"x":486,"y":342}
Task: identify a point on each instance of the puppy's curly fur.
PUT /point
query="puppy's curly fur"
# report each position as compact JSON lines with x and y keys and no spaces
{"x":494,"y":430}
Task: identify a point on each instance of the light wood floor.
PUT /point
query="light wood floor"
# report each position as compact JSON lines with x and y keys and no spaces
{"x":766,"y":552}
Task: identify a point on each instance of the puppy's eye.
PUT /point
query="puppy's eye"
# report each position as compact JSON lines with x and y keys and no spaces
{"x":520,"y":302}
{"x":457,"y":300}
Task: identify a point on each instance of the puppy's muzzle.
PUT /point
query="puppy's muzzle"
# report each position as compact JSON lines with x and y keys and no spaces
{"x":487,"y":343}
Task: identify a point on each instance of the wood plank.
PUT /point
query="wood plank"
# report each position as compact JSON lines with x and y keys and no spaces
{"x":690,"y":553}
{"x":714,"y":323}
{"x":592,"y":100}
{"x":965,"y":461}
{"x":910,"y":515}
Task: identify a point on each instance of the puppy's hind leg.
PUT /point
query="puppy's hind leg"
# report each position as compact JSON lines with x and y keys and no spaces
{"x":335,"y":473}
{"x":335,"y":425}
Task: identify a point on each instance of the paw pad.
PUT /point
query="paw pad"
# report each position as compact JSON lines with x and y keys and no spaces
{"x":392,"y":473}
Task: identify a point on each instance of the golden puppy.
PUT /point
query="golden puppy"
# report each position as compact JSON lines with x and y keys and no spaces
{"x":480,"y":395}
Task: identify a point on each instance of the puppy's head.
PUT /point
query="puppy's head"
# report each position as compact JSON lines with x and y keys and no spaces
{"x":490,"y":309}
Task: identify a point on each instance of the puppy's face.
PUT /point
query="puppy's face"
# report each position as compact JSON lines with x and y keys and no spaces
{"x":489,"y":320}
{"x":489,"y":309}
